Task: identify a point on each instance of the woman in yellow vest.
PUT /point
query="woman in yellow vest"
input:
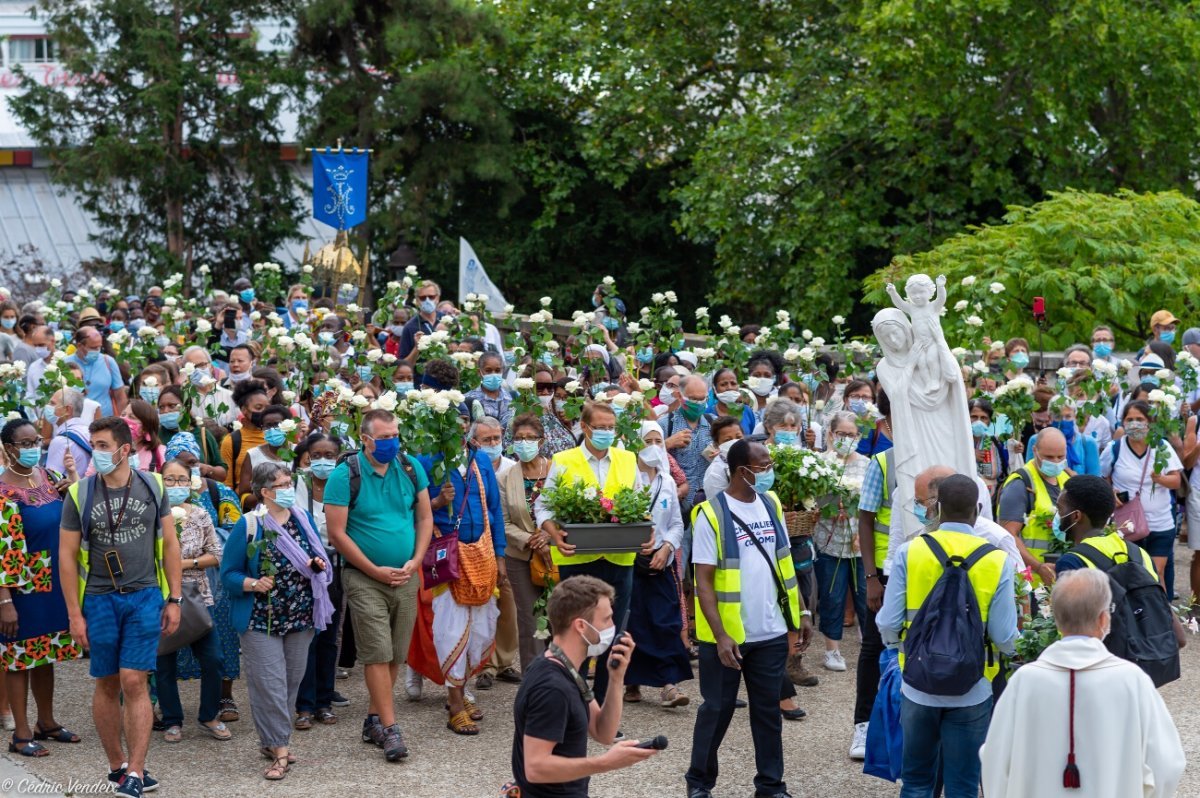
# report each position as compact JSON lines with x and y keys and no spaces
{"x":608,"y":469}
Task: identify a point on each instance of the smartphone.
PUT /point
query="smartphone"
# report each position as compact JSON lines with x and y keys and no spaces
{"x":230,"y":319}
{"x":1123,"y":496}
{"x":113,"y":561}
{"x":617,"y":637}
{"x":1039,"y":307}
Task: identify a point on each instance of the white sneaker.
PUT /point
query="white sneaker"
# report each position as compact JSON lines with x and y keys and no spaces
{"x":834,"y":661}
{"x":858,"y":748}
{"x":413,"y":682}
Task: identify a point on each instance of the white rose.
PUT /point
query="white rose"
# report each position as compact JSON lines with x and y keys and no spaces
{"x":967,"y":282}
{"x":783,"y":326}
{"x":974,"y":321}
{"x":806,"y":335}
{"x":178,"y":513}
{"x":818,"y":342}
{"x":287,"y":425}
{"x":645,"y":385}
{"x":551,"y":346}
{"x":524,"y":384}
{"x":724,"y":322}
{"x":658,"y":298}
{"x":781,"y":315}
{"x":353,"y":308}
{"x":633,"y":328}
{"x":621,"y":400}
{"x":572,"y":386}
{"x":203,"y":327}
{"x":255,"y":315}
{"x":375,"y":355}
{"x":960,"y":305}
{"x":359,"y":401}
{"x":608,"y":280}
{"x":387,"y":402}
{"x":289,"y":397}
{"x":671,"y":297}
{"x":996,"y":288}
{"x":55,"y":283}
{"x":388,"y":359}
{"x":307,"y":268}
{"x":411,"y":271}
{"x":839,"y":320}
{"x":1163,"y":374}
{"x":545,"y":301}
{"x":179,"y":315}
{"x":701,"y":313}
{"x":1157,"y":395}
{"x":188,"y":368}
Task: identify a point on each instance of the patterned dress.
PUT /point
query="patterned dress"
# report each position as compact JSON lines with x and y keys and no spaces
{"x":289,"y":606}
{"x":29,"y":522}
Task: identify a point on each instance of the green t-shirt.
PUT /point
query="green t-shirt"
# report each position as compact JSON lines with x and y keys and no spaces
{"x":381,"y":522}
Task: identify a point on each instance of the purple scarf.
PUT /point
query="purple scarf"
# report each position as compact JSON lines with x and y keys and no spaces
{"x":322,"y":606}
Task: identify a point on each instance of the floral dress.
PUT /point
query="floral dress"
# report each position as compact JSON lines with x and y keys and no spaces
{"x":288,"y":607}
{"x":29,"y":522}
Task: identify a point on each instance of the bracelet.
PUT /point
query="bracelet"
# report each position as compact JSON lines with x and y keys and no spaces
{"x":5,"y":601}
{"x":872,"y":576}
{"x":806,"y":613}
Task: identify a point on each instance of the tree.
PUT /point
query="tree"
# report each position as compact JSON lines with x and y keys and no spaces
{"x":171,"y":136}
{"x":1095,"y":258}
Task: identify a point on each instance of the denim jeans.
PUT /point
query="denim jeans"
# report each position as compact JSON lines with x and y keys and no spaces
{"x":621,"y":579}
{"x":763,"y":666}
{"x":207,"y":651}
{"x":945,"y":739}
{"x":835,"y":578}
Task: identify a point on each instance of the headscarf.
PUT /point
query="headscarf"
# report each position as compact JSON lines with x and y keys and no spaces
{"x":597,"y":349}
{"x":182,"y":443}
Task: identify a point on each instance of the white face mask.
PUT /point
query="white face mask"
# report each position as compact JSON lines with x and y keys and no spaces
{"x":762,"y":386}
{"x":606,"y":640}
{"x":725,"y":447}
{"x":728,"y":397}
{"x":653,"y":456}
{"x":667,"y":395}
{"x":545,"y":401}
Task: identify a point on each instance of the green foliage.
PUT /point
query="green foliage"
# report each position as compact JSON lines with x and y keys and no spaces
{"x":172,"y":156}
{"x":578,"y":503}
{"x":1095,"y":258}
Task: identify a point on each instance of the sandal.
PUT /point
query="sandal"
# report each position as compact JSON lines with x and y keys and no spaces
{"x":229,"y":711}
{"x":304,"y":721}
{"x":58,"y":734}
{"x":27,"y":748}
{"x":277,"y":770}
{"x":217,"y":732}
{"x":471,"y":708}
{"x":633,"y":694}
{"x":269,"y":754}
{"x":671,"y":697}
{"x":325,"y":716}
{"x":462,"y":724}
{"x":173,"y":734}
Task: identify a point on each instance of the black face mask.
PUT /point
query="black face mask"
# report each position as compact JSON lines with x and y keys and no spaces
{"x":257,"y":419}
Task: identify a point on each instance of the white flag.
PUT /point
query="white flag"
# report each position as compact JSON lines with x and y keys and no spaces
{"x":472,"y":279}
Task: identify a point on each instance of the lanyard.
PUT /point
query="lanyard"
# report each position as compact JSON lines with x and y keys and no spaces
{"x":580,"y":682}
{"x":108,"y":508}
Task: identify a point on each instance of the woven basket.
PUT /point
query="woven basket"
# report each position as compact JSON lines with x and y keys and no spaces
{"x":801,"y":522}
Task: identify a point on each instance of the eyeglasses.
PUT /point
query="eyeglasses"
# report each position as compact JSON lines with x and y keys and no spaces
{"x":176,"y":482}
{"x":761,"y":469}
{"x":530,"y":438}
{"x":281,"y":485}
{"x":605,"y":429}
{"x":427,"y":296}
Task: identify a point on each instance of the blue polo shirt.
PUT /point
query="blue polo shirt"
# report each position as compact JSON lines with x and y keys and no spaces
{"x":381,"y":522}
{"x":99,"y":378}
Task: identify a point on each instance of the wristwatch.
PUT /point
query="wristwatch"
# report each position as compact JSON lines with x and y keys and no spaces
{"x":805,"y":613}
{"x":195,"y":563}
{"x":177,"y":600}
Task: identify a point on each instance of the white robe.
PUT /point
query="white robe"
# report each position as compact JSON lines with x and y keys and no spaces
{"x":1126,"y":744}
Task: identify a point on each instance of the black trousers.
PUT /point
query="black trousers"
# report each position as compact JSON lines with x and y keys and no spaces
{"x":867,"y":686}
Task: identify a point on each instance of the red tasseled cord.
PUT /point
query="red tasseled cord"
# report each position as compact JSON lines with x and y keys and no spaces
{"x":1071,"y":774}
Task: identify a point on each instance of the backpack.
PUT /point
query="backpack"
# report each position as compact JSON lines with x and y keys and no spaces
{"x":355,"y":469}
{"x":78,"y":441}
{"x":1143,"y":626}
{"x":236,"y":443}
{"x":945,"y":644}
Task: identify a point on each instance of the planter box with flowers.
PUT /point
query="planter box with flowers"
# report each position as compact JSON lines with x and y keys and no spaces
{"x":596,"y":524}
{"x":803,"y":479}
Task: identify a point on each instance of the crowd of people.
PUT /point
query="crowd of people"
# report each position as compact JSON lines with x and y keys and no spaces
{"x":278,"y":486}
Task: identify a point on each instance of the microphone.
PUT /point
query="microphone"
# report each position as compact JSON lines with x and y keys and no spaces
{"x":658,"y":743}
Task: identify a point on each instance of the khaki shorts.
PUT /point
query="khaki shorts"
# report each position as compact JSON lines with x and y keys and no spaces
{"x":383,"y":617}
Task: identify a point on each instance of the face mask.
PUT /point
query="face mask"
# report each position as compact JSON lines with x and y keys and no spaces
{"x":299,"y":307}
{"x":256,"y":419}
{"x":275,"y":436}
{"x":610,"y":323}
{"x":546,"y":401}
{"x":10,"y":323}
{"x":1056,"y":527}
{"x":762,"y":386}
{"x":692,"y":410}
{"x":428,"y":306}
{"x":285,"y":497}
{"x":169,"y":421}
{"x":247,"y":295}
{"x":325,"y":338}
{"x":136,"y":324}
{"x":1067,"y":428}
{"x":763,"y":482}
{"x":602,"y":438}
{"x":595,"y":301}
{"x":787,"y":438}
{"x":645,"y":355}
{"x":91,"y":357}
{"x":149,"y":395}
{"x":113,"y":326}
{"x":1137,"y":430}
{"x":725,"y":447}
{"x":339,"y":428}
{"x":30,"y":457}
{"x":178,"y":494}
{"x":1019,"y":359}
{"x":236,"y":377}
{"x":1102,"y":350}
{"x":1167,"y":337}
{"x":560,"y":405}
{"x":1152,"y":379}
{"x":858,"y":406}
{"x":196,"y":474}
{"x":600,"y":388}
{"x":42,"y":352}
{"x":492,"y":382}
{"x":365,"y":374}
{"x":199,"y":375}
{"x":50,"y":415}
{"x":526,"y":451}
{"x":653,"y":456}
{"x":919,"y":512}
{"x":729,"y":398}
{"x":386,"y":450}
{"x":844,"y":446}
{"x":1051,"y":470}
{"x":978,"y":429}
{"x":666,"y":395}
{"x":104,"y":462}
{"x":510,"y":359}
{"x":492,"y":452}
{"x":161,"y":340}
{"x":402,"y":387}
{"x":606,"y":640}
{"x":810,"y":381}
{"x":547,"y":358}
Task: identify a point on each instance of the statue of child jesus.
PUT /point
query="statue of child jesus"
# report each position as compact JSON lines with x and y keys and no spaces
{"x":933,"y":363}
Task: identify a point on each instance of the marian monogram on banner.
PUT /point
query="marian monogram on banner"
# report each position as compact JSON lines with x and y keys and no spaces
{"x":340,"y":187}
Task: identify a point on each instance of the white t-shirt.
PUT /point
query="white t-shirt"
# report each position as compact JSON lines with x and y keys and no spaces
{"x":1156,"y":503}
{"x":761,"y":617}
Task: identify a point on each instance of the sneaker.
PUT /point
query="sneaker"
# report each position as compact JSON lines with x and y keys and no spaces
{"x":484,"y":681}
{"x":834,"y":661}
{"x":339,"y":700}
{"x":620,"y":735}
{"x":413,"y":683}
{"x":858,"y":747}
{"x":372,"y":730}
{"x":149,"y":783}
{"x":342,"y":674}
{"x":130,"y":786}
{"x":394,"y":748}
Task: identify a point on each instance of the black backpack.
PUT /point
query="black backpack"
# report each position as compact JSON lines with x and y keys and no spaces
{"x":1143,"y":624}
{"x":945,"y":646}
{"x":355,"y":468}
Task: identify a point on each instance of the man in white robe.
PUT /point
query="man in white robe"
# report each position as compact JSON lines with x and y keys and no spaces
{"x":1125,"y":742}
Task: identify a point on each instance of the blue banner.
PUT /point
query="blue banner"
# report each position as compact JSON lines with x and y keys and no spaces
{"x":340,"y":187}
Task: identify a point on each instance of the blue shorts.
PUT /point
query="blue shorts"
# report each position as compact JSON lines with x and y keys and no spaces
{"x":1159,"y":544}
{"x":123,"y":631}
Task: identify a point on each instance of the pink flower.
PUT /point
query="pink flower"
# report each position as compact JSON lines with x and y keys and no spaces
{"x":615,"y":520}
{"x":606,"y":503}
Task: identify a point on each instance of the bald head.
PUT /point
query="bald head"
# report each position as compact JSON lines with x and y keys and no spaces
{"x":1051,"y":446}
{"x":925,"y":487}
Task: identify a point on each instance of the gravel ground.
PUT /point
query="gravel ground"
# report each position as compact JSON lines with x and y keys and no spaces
{"x":332,"y":760}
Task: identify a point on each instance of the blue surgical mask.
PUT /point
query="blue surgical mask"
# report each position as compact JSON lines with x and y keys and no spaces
{"x":858,"y":406}
{"x":1051,"y":470}
{"x":402,"y":387}
{"x":526,"y":451}
{"x":285,"y":497}
{"x":386,"y":450}
{"x":492,"y":382}
{"x":299,"y":306}
{"x":178,"y":494}
{"x":103,"y":462}
{"x":322,"y":468}
{"x":247,"y":295}
{"x":149,"y":395}
{"x":547,"y":358}
{"x":810,"y":381}
{"x":978,"y":429}
{"x":787,"y":438}
{"x":1056,"y":527}
{"x":765,"y":481}
{"x":510,"y":359}
{"x":919,"y":511}
{"x":169,"y":421}
{"x":492,"y":452}
{"x":1067,"y":428}
{"x":161,"y":340}
{"x":113,"y":326}
{"x":1102,"y":350}
{"x":91,"y":357}
{"x":199,"y":375}
{"x":602,"y":438}
{"x":1167,"y":337}
{"x":645,"y":355}
{"x":275,"y":436}
{"x":427,"y":306}
{"x":30,"y":457}
{"x":611,"y":324}
{"x":8,"y":324}
{"x":365,"y":373}
{"x":42,"y":352}
{"x":339,"y":429}
{"x":1152,"y":379}
{"x":136,"y":324}
{"x":50,"y":415}
{"x":1019,"y":359}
